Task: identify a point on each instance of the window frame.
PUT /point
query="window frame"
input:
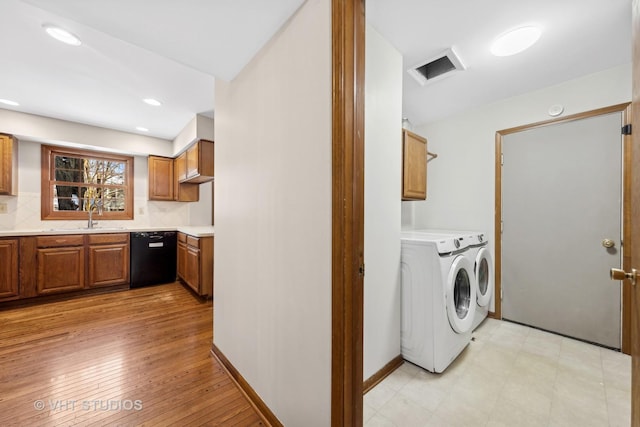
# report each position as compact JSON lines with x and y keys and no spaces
{"x":47,"y":157}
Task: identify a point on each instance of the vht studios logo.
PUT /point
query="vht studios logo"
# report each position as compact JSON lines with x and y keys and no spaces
{"x":88,"y":405}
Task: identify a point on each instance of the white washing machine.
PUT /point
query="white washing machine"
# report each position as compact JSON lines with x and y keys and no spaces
{"x":483,"y":275}
{"x":438,"y":299}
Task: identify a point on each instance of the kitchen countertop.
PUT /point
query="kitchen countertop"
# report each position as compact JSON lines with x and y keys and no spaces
{"x":196,"y":231}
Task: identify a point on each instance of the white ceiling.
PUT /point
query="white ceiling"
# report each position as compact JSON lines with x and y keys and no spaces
{"x":579,"y":37}
{"x":171,"y":50}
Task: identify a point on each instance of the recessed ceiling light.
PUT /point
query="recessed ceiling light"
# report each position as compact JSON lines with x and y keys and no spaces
{"x":62,"y":35}
{"x":142,"y":129}
{"x":9,"y":102}
{"x":153,"y":102}
{"x":515,"y":41}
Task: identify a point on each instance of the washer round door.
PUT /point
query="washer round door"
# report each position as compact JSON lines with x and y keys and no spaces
{"x":461,"y":295}
{"x":484,"y":277}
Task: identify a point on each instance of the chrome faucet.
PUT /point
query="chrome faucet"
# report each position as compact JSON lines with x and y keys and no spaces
{"x":97,"y":205}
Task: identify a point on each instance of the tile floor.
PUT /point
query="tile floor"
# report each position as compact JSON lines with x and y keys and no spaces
{"x":510,"y":375}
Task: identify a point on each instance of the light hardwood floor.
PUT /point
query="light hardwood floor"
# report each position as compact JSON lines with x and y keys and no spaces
{"x":136,"y":357}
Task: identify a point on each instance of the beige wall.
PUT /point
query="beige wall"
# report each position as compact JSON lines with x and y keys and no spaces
{"x":272,"y":293}
{"x":462,"y":179}
{"x":200,"y":127}
{"x":23,"y":210}
{"x":382,"y":183}
{"x":48,"y":130}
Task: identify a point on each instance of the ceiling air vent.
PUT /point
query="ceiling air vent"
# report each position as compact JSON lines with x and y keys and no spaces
{"x":437,"y":68}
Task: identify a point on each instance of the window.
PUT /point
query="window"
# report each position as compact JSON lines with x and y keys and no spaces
{"x":74,"y":181}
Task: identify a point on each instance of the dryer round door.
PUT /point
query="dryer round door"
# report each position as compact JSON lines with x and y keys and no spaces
{"x":461,"y":295}
{"x":484,"y":277}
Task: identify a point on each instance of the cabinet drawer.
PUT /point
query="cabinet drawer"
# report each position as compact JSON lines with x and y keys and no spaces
{"x":98,"y":239}
{"x":182,"y":238}
{"x":193,"y":241}
{"x":57,"y":241}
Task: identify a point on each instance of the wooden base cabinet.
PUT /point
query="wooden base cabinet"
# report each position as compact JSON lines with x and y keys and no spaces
{"x":59,"y":264}
{"x":66,"y":263}
{"x":195,"y":263}
{"x":9,"y":288}
{"x":108,"y":259}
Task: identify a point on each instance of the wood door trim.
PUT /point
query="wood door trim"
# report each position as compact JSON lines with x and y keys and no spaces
{"x":348,"y":40}
{"x":626,"y":297}
{"x":626,"y":234}
{"x":584,"y":115}
{"x":634,"y":232}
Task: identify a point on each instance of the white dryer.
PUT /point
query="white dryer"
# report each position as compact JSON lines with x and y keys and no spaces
{"x":483,"y":276}
{"x":438,"y":299}
{"x":483,"y":272}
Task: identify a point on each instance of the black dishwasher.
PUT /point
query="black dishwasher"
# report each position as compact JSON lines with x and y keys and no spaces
{"x":153,"y":258}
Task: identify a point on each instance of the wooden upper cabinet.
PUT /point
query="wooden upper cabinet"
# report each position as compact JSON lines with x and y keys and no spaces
{"x":9,"y":269}
{"x":199,"y":163}
{"x":184,"y":191}
{"x":414,"y":166}
{"x":8,"y":165}
{"x":180,"y":165}
{"x":161,"y":178}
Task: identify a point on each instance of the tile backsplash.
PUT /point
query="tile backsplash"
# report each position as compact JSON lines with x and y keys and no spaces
{"x":23,"y":213}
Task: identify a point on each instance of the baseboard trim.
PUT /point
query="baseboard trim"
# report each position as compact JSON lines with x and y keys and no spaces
{"x":263,"y":410}
{"x":383,"y":373}
{"x":492,"y":315}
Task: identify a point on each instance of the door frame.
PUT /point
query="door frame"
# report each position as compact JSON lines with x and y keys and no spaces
{"x":347,"y":272}
{"x":625,"y":108}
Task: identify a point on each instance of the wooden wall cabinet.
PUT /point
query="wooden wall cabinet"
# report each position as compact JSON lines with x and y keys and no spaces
{"x":164,"y":180}
{"x":184,"y":191}
{"x":179,"y":179}
{"x":414,"y":166}
{"x":181,"y":167}
{"x":108,"y":256}
{"x":8,"y":165}
{"x":60,"y":264}
{"x":9,"y":288}
{"x":198,"y":162}
{"x":161,"y":177}
{"x":195,"y":263}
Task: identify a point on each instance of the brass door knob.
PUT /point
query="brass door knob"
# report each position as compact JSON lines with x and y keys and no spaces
{"x":617,"y":274}
{"x":608,"y":243}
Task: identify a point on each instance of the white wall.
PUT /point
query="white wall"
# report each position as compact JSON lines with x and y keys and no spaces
{"x":23,"y":210}
{"x":200,"y":127}
{"x":48,"y":130}
{"x":461,"y":181}
{"x":382,"y":183}
{"x":272,"y":293}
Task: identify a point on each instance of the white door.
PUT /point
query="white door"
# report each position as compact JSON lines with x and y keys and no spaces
{"x":561,"y":197}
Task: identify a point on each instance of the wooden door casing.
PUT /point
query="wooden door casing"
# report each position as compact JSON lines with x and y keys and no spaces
{"x":634,"y":232}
